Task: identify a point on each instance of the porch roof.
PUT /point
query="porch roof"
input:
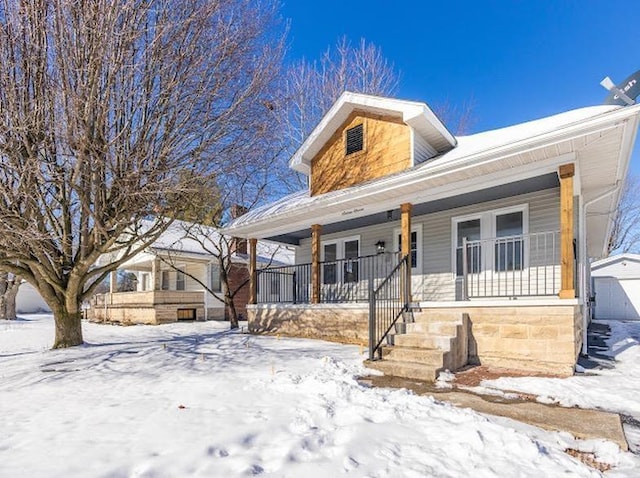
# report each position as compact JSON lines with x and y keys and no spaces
{"x":599,"y":139}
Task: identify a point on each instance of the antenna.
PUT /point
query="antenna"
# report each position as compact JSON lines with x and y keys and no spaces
{"x":624,"y":94}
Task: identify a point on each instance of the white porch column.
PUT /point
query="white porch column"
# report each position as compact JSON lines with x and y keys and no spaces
{"x":155,"y":274}
{"x":113,"y":281}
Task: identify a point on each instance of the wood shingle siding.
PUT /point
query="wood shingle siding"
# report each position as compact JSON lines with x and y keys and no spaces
{"x":386,"y":150}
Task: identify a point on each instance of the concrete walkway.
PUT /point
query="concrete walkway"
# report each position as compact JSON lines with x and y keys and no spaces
{"x":581,"y":423}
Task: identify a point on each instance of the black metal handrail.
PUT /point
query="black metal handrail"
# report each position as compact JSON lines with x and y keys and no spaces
{"x":341,"y":280}
{"x":514,"y":266}
{"x":387,"y":302}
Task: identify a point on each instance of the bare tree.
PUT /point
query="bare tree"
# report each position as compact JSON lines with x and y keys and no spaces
{"x":229,"y":258}
{"x":458,"y":119}
{"x":108,"y":111}
{"x":312,"y":87}
{"x":9,"y":285}
{"x":625,"y":233}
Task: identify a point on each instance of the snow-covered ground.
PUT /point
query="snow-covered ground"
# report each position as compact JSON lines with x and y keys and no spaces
{"x":195,"y":400}
{"x":615,"y":389}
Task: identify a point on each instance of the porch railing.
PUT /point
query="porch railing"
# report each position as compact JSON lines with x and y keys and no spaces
{"x":387,"y":302}
{"x":342,"y":280}
{"x":513,"y":266}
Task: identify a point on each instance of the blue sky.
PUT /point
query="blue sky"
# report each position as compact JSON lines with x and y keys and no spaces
{"x":517,"y":60}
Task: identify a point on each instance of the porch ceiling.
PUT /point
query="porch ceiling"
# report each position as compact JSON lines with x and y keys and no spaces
{"x":529,"y":185}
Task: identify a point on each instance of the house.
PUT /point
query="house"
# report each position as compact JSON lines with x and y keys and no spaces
{"x":29,"y":300}
{"x":167,"y":279}
{"x":616,"y":287}
{"x":438,"y":250}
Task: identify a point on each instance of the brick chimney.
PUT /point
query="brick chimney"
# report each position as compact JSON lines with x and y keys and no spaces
{"x":238,"y":244}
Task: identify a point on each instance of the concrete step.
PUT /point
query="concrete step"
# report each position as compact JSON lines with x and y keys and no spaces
{"x":419,"y":355}
{"x":449,"y":329}
{"x":412,"y":370}
{"x":437,"y":316}
{"x":440,"y":342}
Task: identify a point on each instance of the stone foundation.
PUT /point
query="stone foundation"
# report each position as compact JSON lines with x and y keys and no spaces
{"x":539,"y":338}
{"x":345,"y":323}
{"x":543,"y":338}
{"x":159,"y":314}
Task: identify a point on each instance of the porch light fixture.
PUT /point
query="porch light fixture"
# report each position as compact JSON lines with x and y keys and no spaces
{"x":380,"y":247}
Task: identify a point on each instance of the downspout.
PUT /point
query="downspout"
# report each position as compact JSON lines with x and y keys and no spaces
{"x":583,"y":228}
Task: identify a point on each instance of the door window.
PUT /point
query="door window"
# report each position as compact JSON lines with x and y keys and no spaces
{"x":340,"y":261}
{"x":509,"y":244}
{"x":330,"y":253}
{"x":471,"y":230}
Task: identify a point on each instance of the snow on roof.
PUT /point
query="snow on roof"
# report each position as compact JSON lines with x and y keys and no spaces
{"x":414,"y":113}
{"x":612,"y":259}
{"x":188,"y":238}
{"x":487,"y":142}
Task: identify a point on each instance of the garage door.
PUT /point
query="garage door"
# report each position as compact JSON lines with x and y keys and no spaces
{"x":617,"y":298}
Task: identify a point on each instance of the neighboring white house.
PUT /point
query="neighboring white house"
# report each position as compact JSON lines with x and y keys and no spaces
{"x":616,"y":284}
{"x":169,"y":278}
{"x":29,"y":300}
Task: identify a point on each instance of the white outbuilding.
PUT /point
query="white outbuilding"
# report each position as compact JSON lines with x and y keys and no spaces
{"x":616,"y":283}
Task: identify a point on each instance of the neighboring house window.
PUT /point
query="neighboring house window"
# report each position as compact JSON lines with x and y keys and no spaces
{"x":340,"y":262}
{"x":505,"y":227}
{"x":180,"y":280}
{"x":215,"y":278}
{"x":355,"y":139}
{"x":416,"y":246}
{"x":165,"y":280}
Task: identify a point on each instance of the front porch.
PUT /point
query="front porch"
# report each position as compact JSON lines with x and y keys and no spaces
{"x":491,"y":282}
{"x":150,"y":290}
{"x":148,"y":307}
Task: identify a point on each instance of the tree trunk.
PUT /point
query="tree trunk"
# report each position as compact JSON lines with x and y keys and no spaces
{"x":233,"y":313}
{"x":68,"y":328}
{"x":10,"y":299}
{"x":8,"y":292}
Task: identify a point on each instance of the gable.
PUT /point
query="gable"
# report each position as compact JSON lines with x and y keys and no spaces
{"x":386,"y":149}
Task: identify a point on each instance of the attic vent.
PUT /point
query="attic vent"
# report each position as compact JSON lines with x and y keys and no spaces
{"x":355,"y":139}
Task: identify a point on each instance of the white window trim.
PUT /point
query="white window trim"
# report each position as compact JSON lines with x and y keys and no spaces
{"x":340,"y":253}
{"x":210,"y":272}
{"x":417,"y":228}
{"x":488,"y":231}
{"x":162,"y":273}
{"x":340,"y":249}
{"x":181,"y":269}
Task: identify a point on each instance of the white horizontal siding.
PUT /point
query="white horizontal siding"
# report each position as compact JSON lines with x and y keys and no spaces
{"x":437,"y":282}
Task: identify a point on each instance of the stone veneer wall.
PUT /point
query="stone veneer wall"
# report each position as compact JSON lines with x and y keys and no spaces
{"x":537,"y":338}
{"x":344,"y":323}
{"x":151,"y":315}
